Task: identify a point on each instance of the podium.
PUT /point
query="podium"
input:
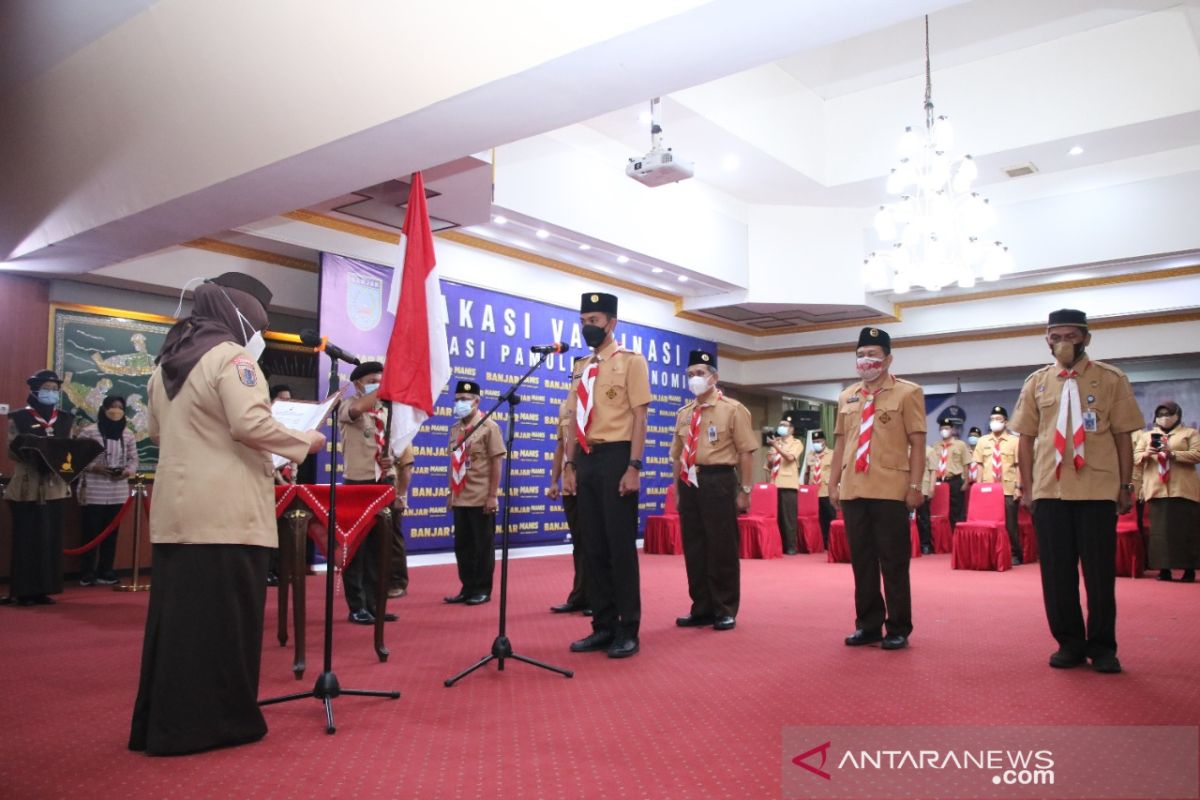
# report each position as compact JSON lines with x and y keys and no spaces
{"x":360,"y":508}
{"x":67,"y":458}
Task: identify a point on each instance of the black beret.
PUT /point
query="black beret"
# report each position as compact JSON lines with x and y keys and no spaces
{"x":818,"y":436}
{"x":701,"y":357}
{"x":243,"y":282}
{"x":869,"y":336}
{"x":1068,"y":316}
{"x":467,"y":387}
{"x":976,"y":431}
{"x":41,"y":376}
{"x":279,"y":389}
{"x":953,"y":415}
{"x":1001,"y":410}
{"x":366,"y":368}
{"x":598,"y":301}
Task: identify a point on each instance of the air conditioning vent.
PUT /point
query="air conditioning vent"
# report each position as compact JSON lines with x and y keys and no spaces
{"x":1020,"y":170}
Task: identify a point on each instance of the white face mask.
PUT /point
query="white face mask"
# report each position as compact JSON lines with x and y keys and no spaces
{"x":996,"y":425}
{"x":369,"y":388}
{"x":698,"y":384}
{"x":869,"y":369}
{"x":783,"y":430}
{"x":818,"y":447}
{"x":256,"y":345}
{"x":946,"y":433}
{"x":462,"y":408}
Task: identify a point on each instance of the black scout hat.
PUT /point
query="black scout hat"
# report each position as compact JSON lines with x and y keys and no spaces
{"x":1001,"y":410}
{"x":364,"y":369}
{"x":953,"y":415}
{"x":243,"y":282}
{"x":818,"y":436}
{"x":701,"y":357}
{"x":1068,"y":316}
{"x":467,"y":387}
{"x":869,"y":336}
{"x":975,"y":431}
{"x":41,"y":376}
{"x":598,"y":301}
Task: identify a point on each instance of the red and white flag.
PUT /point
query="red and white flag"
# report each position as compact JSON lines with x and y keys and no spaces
{"x":418,"y":357}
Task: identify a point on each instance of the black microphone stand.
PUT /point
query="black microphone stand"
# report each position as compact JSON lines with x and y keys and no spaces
{"x":327,"y":687}
{"x":502,"y":647}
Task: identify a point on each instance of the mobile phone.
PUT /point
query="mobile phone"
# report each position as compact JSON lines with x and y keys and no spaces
{"x":1156,"y":440}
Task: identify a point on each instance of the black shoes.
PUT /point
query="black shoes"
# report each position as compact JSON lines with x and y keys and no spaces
{"x":458,"y":598}
{"x":861,"y":637}
{"x":1017,"y":561}
{"x":791,"y":551}
{"x":1189,"y":576}
{"x":362,"y":617}
{"x":478,"y":599}
{"x":725,"y":623}
{"x":1107,"y":664}
{"x":1067,"y":659}
{"x":272,"y":579}
{"x":926,"y":550}
{"x":624,"y":647}
{"x":1164,"y":575}
{"x":566,"y":608}
{"x":694,"y":621}
{"x":107,"y":579}
{"x":894,"y":641}
{"x":599,"y":640}
{"x":87,"y":580}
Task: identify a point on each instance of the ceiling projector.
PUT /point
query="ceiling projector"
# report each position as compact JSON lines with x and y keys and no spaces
{"x":658,"y":167}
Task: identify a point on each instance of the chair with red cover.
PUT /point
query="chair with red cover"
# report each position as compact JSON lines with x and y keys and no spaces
{"x":808,"y":518}
{"x":839,"y":546}
{"x":664,"y":531}
{"x":1027,"y":534}
{"x":939,"y":519}
{"x":915,"y":536}
{"x":1131,"y":559}
{"x":981,"y":542}
{"x":759,"y":530}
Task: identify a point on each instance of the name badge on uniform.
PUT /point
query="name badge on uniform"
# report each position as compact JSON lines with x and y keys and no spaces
{"x":1090,"y":422}
{"x":712,"y":433}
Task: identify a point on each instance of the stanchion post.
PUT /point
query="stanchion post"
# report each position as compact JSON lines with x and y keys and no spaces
{"x":139,"y":497}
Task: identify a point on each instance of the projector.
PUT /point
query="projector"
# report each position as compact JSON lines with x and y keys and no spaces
{"x":658,"y":167}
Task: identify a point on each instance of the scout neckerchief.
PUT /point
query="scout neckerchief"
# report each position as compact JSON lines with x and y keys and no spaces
{"x":997,"y":463}
{"x":814,"y":474}
{"x":460,"y":462}
{"x":687,"y":460}
{"x":586,"y":398}
{"x":40,"y":422}
{"x":381,"y":446}
{"x":942,"y":457}
{"x":866,"y":425}
{"x":1068,"y":404}
{"x":774,"y":462}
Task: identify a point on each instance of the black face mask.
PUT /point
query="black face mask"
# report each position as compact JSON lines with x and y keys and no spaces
{"x":594,"y":335}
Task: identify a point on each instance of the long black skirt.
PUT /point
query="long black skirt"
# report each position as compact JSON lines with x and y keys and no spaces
{"x":202,"y":649}
{"x":1174,"y":533}
{"x":37,"y":544}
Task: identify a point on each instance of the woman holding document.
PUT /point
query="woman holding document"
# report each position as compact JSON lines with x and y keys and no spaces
{"x":212,"y":524}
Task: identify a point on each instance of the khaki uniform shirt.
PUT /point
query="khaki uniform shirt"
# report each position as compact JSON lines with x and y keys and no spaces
{"x":958,"y":455}
{"x":928,"y":478}
{"x":789,"y":471}
{"x":825,"y":459}
{"x":1136,"y":476}
{"x":899,"y":411}
{"x":622,"y":384}
{"x":482,"y":447}
{"x":359,"y":447}
{"x":403,"y":460}
{"x":1103,"y":389}
{"x":1006,"y":443}
{"x":725,"y":433}
{"x":1185,"y":454}
{"x":214,"y":477}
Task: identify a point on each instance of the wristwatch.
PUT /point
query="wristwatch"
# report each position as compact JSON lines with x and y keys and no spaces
{"x":914,"y":486}
{"x":636,"y":463}
{"x":747,"y":488}
{"x":1127,"y":487}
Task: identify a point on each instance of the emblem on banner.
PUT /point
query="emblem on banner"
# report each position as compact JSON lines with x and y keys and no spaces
{"x":364,"y":301}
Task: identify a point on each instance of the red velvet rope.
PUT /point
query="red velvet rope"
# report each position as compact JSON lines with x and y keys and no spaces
{"x":109,"y":531}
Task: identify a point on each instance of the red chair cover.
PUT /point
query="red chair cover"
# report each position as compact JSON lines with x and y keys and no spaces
{"x":981,"y":542}
{"x":664,"y":532}
{"x":357,"y":508}
{"x":1028,"y":535}
{"x":1131,"y":551}
{"x":759,"y":530}
{"x":939,"y":503}
{"x":808,"y":517}
{"x":839,"y":546}
{"x":915,"y":536}
{"x":941,"y":533}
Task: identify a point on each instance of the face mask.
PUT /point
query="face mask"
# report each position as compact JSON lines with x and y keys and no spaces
{"x":462,"y":408}
{"x":1166,"y":423}
{"x":594,"y":335}
{"x":972,"y":440}
{"x":254,"y":342}
{"x":996,"y":426}
{"x":1067,"y":353}
{"x":698,"y":384}
{"x":48,"y":397}
{"x":369,"y":388}
{"x":869,"y":368}
{"x":818,"y":447}
{"x":783,"y":430}
{"x":946,"y":434}
{"x":115,"y":414}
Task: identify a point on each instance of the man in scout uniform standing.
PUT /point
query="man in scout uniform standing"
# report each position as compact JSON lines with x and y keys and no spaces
{"x":1076,"y":477}
{"x":712,"y":455}
{"x":604,"y":463}
{"x":924,"y":521}
{"x":878,"y":462}
{"x":577,"y":599}
{"x":783,"y":470}
{"x":996,"y":462}
{"x":476,"y":454}
{"x":820,"y":465}
{"x":953,"y":457}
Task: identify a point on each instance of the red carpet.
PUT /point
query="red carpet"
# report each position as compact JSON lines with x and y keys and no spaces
{"x":696,"y":714}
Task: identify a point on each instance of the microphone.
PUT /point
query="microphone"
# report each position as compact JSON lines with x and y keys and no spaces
{"x":310,"y":338}
{"x":557,"y":347}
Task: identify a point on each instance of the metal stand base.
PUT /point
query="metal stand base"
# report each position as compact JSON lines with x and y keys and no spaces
{"x":502,"y":649}
{"x":325,"y":690}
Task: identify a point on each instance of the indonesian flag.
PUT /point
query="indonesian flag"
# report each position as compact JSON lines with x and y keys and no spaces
{"x":418,"y":358}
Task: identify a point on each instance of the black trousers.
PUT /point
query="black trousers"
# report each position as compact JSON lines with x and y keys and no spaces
{"x":708,"y":518}
{"x":1073,"y":534}
{"x":826,"y":515}
{"x":36,"y":548}
{"x":1012,"y":508}
{"x":474,"y":549}
{"x":578,"y":595}
{"x":609,"y":522}
{"x":785,"y":511}
{"x":880,"y":544}
{"x":924,"y":526}
{"x":399,"y":576}
{"x":98,"y":560}
{"x":361,"y":576}
{"x":958,"y":506}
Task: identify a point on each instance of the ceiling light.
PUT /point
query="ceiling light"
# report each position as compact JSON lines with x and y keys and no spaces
{"x":500,"y":219}
{"x":1075,"y":151}
{"x":585,"y":246}
{"x":730,"y":162}
{"x":683,"y":278}
{"x":656,"y":270}
{"x":622,"y":259}
{"x":543,"y":233}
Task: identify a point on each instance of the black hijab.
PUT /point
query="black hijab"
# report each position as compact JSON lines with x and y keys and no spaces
{"x":214,"y":320}
{"x":108,"y":428}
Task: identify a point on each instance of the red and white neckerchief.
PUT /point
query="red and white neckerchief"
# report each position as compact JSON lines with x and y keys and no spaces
{"x":997,"y":461}
{"x":942,"y":457}
{"x":586,"y":398}
{"x":1068,"y":405}
{"x":774,"y":462}
{"x":866,"y":425}
{"x":814,"y":474}
{"x":460,"y":462}
{"x":687,"y":459}
{"x":381,"y":445}
{"x":1164,"y":465}
{"x":40,"y":422}
{"x":973,"y":472}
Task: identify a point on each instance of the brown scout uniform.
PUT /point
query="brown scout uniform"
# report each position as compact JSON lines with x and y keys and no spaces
{"x":475,"y":530}
{"x":786,"y":483}
{"x":1174,"y":505}
{"x":1009,"y":476}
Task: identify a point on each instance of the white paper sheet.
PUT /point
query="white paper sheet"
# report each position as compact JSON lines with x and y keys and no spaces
{"x":300,"y":415}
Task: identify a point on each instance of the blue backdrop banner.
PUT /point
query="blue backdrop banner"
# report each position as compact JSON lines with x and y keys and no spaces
{"x":490,"y":334}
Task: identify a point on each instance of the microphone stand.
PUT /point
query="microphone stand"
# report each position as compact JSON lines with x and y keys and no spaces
{"x":502,"y":647}
{"x":327,"y":687}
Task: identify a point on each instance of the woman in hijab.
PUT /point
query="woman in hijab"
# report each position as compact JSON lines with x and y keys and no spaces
{"x":36,"y":495}
{"x":104,"y":488}
{"x":1168,"y":456}
{"x":212,"y":524}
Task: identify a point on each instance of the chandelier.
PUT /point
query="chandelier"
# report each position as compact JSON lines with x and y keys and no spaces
{"x":938,"y":226}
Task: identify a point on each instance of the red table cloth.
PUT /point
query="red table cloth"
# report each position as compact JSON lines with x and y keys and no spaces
{"x":357,"y":507}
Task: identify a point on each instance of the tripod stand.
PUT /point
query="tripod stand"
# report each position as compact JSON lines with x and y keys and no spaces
{"x":502,"y":647}
{"x":327,"y":687}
